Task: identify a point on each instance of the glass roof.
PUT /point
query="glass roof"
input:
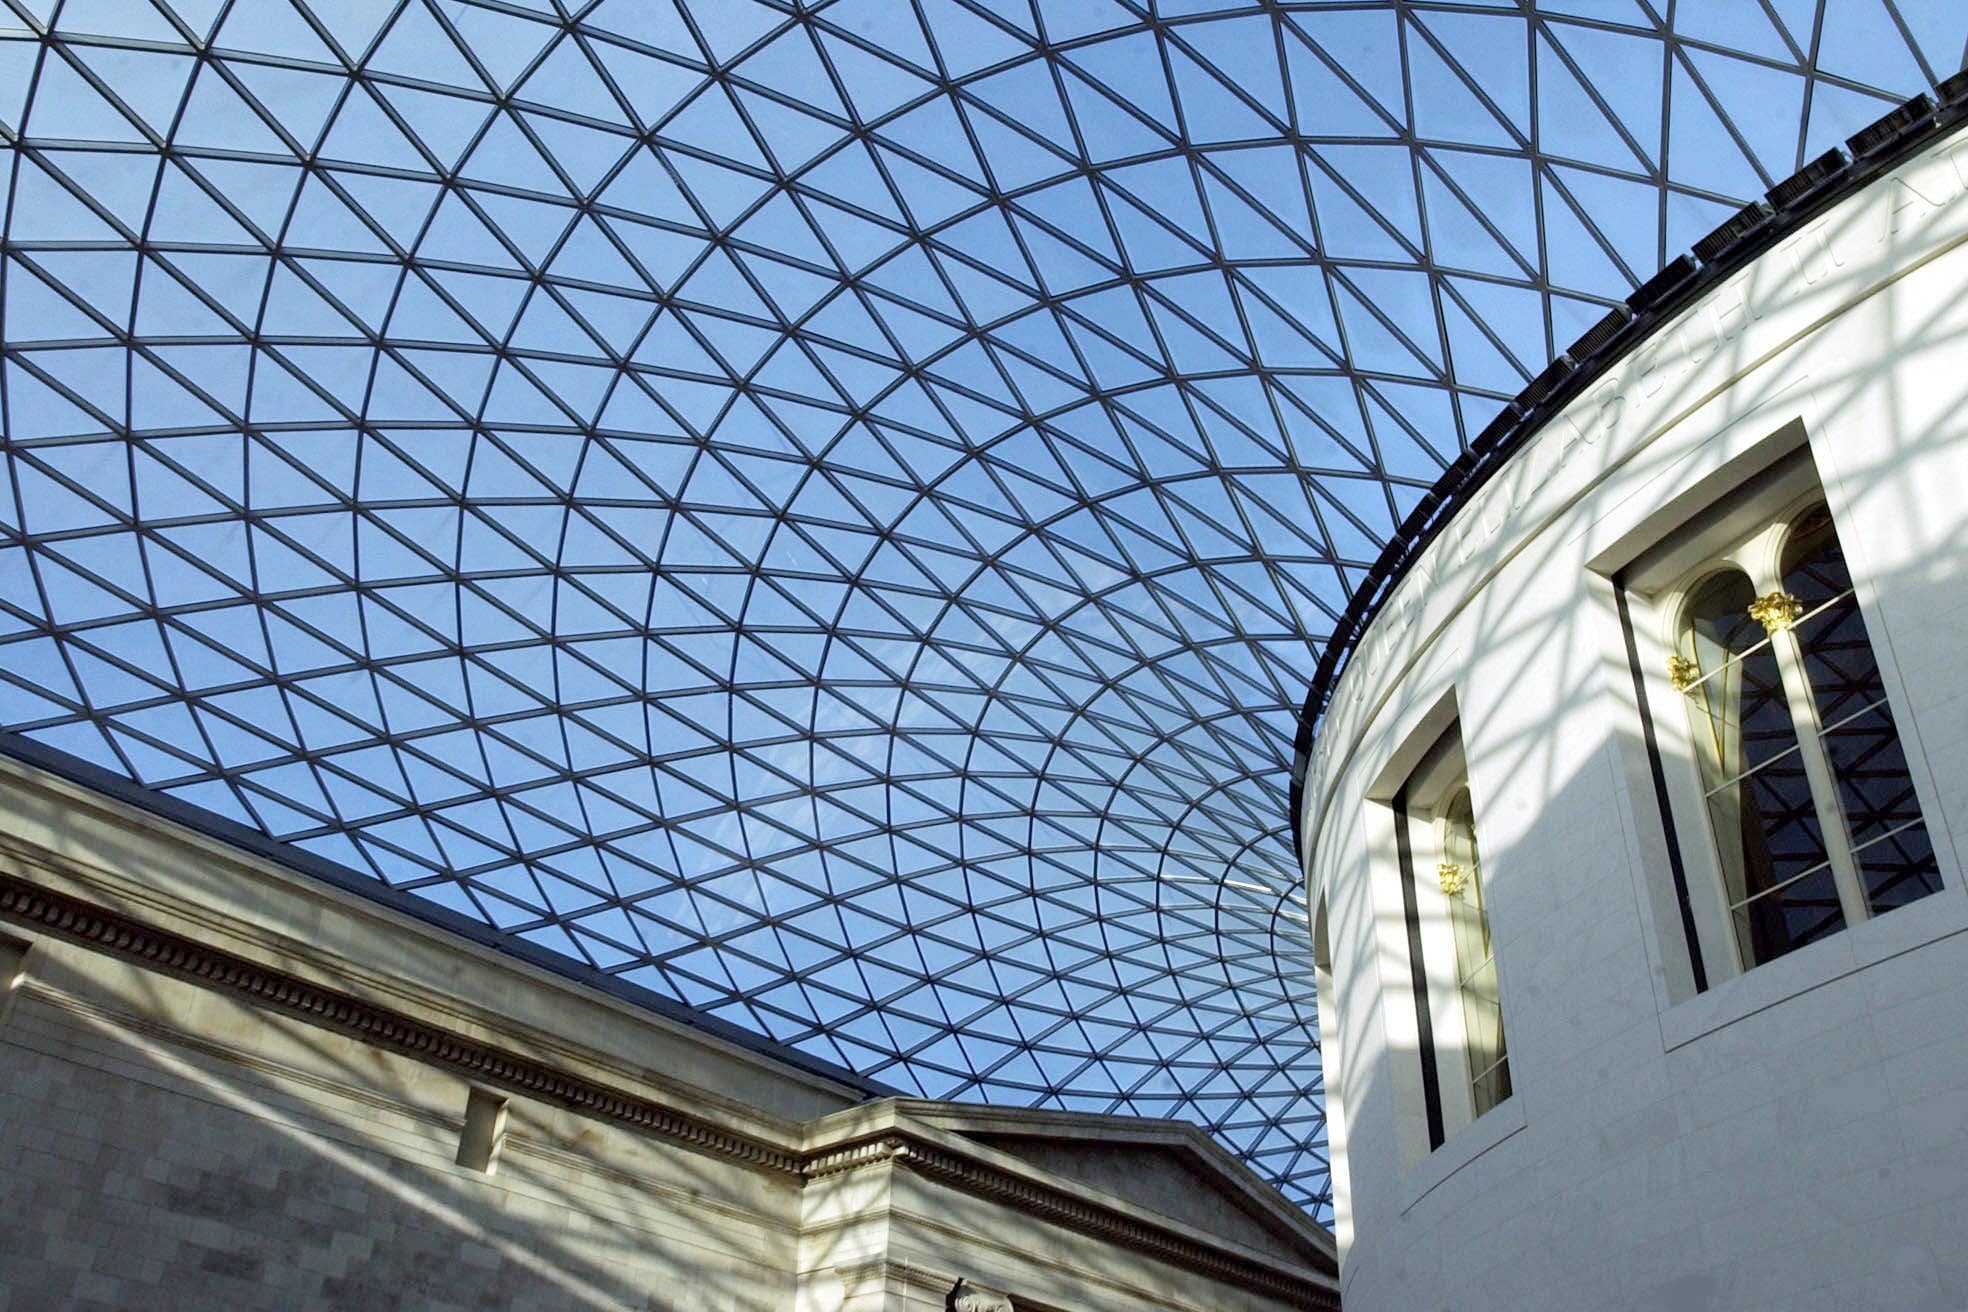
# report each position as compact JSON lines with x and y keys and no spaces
{"x":824,"y":513}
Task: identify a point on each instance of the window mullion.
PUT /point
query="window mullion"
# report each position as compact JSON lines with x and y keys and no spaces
{"x":1817,"y":770}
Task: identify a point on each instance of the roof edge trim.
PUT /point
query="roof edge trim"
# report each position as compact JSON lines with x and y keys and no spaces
{"x":211,"y":824}
{"x":1735,"y":242}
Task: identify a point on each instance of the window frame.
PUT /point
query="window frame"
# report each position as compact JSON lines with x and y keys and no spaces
{"x":1419,"y":807}
{"x":1748,"y":529}
{"x":1466,"y":905}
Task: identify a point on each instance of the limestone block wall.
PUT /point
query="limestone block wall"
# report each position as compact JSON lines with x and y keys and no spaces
{"x":148,"y":1165}
{"x":1790,"y":1137}
{"x":227,"y":1085}
{"x":169,"y":1143}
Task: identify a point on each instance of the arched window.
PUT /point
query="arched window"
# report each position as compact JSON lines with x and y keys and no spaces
{"x":1769,"y":841}
{"x":1809,"y":801}
{"x":1482,"y":1010}
{"x":1452,"y":966}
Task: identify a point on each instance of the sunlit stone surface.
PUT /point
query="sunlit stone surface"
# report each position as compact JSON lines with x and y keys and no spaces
{"x":824,"y":516}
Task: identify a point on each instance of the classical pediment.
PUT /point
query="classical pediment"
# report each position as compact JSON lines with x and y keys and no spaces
{"x":1164,"y":1172}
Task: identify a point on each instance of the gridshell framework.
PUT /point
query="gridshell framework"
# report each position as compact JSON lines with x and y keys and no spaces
{"x":821,"y":516}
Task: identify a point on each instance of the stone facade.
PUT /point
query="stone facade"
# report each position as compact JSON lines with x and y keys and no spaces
{"x":1791,"y":1136}
{"x":226,"y":1085}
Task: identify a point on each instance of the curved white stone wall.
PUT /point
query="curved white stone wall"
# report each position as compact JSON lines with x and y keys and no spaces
{"x":1793,"y":1136}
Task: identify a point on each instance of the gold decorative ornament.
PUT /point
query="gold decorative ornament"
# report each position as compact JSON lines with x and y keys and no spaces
{"x":1683,"y":673}
{"x":1776,"y":611}
{"x":1454,"y":878}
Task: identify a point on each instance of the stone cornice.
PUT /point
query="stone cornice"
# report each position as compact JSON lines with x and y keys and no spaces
{"x":90,"y":785}
{"x":899,"y":1148}
{"x":985,"y":1123}
{"x":855,"y":1156}
{"x":863,"y":1275}
{"x":368,"y":1022}
{"x":147,"y":946}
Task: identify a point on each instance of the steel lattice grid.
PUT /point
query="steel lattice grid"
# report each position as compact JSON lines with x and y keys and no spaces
{"x":824,"y":513}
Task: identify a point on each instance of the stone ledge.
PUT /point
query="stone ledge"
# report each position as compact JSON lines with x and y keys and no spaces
{"x":899,"y":1148}
{"x":370,"y":1023}
{"x":927,"y":1152}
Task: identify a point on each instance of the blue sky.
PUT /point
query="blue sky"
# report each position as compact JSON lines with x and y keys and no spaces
{"x":823,"y":515}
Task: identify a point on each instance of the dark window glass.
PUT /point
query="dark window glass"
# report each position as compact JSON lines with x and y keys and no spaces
{"x":1889,"y":840}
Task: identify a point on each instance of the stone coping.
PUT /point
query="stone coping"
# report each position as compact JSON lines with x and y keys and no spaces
{"x":1186,"y":1140}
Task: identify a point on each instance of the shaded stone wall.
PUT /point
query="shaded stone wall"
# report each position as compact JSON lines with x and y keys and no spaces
{"x":225,"y":1085}
{"x":146,"y":1168}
